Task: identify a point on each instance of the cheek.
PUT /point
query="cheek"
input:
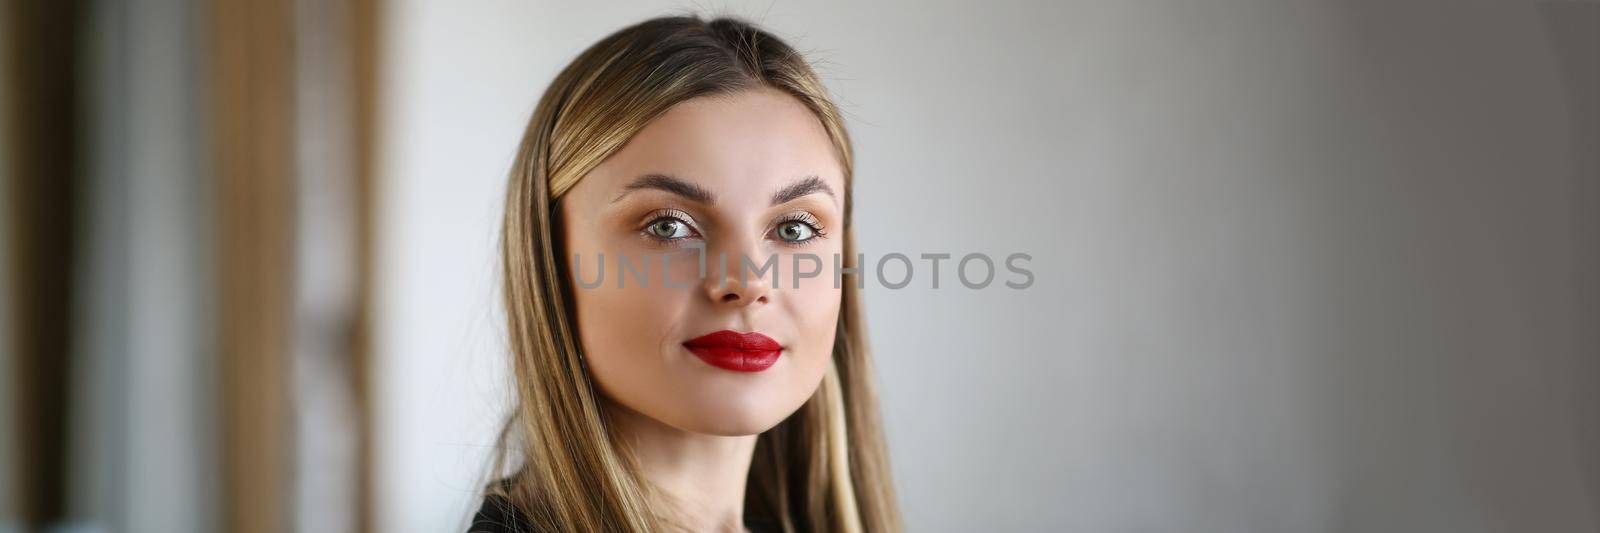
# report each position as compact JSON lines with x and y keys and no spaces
{"x":624,"y":331}
{"x":613,"y":320}
{"x":624,"y":334}
{"x":813,"y":307}
{"x":633,"y":299}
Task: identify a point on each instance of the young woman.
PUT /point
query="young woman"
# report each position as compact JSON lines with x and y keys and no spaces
{"x":665,"y":380}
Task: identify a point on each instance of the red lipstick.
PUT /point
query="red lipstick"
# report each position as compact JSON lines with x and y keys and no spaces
{"x":739,"y":352}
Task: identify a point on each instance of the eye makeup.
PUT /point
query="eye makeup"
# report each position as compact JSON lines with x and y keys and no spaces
{"x":813,"y":228}
{"x":671,"y":225}
{"x":668,"y":225}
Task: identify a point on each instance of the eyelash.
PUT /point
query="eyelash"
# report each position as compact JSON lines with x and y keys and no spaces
{"x":817,"y":230}
{"x":661,"y":214}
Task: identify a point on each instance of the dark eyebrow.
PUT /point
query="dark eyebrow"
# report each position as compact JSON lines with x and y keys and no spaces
{"x":811,"y":184}
{"x":670,"y":184}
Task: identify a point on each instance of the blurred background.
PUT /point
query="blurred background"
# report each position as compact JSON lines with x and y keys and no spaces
{"x":1301,"y":266}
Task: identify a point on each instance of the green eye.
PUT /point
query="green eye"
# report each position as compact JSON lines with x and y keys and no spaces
{"x":669,"y":225}
{"x":795,"y":231}
{"x":668,"y":228}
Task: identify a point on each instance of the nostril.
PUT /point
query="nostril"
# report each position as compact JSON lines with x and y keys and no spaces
{"x":730,"y":297}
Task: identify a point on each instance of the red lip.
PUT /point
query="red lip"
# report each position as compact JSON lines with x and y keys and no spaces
{"x":739,"y":352}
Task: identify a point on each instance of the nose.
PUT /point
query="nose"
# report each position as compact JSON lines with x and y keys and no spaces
{"x":725,"y":285}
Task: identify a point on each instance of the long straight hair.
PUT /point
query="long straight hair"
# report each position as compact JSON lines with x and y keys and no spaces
{"x":824,"y":468}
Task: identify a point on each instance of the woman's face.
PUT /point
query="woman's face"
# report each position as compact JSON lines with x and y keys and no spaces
{"x":750,"y":176}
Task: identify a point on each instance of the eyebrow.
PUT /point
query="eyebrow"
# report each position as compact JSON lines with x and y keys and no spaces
{"x":688,"y":190}
{"x":811,"y":184}
{"x":670,"y":184}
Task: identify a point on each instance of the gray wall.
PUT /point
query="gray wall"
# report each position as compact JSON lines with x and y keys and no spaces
{"x":1300,"y":266}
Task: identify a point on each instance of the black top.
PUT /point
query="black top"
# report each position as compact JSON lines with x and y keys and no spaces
{"x":497,"y":515}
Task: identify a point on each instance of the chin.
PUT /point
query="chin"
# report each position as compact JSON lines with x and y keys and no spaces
{"x":733,"y":428}
{"x":738,"y":415}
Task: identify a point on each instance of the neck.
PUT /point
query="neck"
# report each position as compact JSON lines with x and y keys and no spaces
{"x":702,"y":476}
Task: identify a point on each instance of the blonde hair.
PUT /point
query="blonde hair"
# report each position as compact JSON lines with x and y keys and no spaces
{"x":824,"y":468}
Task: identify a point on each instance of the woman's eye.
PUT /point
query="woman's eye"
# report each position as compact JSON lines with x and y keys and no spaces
{"x":668,"y":228}
{"x":795,"y":231}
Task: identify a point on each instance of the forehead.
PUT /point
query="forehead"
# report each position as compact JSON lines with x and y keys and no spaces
{"x":740,"y":145}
